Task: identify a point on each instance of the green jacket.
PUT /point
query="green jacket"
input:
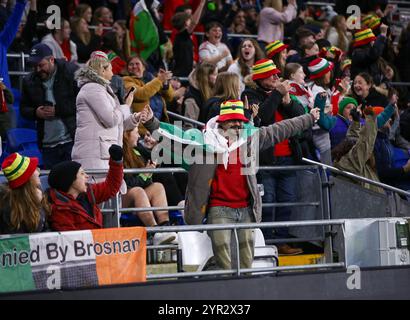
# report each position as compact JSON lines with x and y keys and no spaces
{"x":356,"y":160}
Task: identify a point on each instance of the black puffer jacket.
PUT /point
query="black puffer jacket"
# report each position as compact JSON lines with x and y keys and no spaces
{"x":65,"y":93}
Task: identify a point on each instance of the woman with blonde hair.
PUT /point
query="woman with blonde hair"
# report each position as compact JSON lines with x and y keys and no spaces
{"x":23,"y":208}
{"x":84,"y":11}
{"x":86,"y":41}
{"x":272,"y":18}
{"x":101,"y":119}
{"x":201,"y":84}
{"x":337,"y":34}
{"x":227,"y":87}
{"x":123,"y":38}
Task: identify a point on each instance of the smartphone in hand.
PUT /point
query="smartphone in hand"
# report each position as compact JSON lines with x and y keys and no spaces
{"x":129,"y":92}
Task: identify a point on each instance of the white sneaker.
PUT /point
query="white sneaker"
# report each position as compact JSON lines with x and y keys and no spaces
{"x":164,"y":238}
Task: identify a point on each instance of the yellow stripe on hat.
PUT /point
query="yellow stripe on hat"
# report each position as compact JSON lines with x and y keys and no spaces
{"x":231,"y":106}
{"x":274,"y":46}
{"x":17,"y":168}
{"x":371,"y":21}
{"x":366,"y":33}
{"x":263,"y":67}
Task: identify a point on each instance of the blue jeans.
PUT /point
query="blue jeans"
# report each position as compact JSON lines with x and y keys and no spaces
{"x":279,"y":186}
{"x":223,"y":243}
{"x":53,"y":156}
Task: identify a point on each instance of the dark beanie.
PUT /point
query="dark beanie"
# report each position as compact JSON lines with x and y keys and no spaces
{"x":63,"y":175}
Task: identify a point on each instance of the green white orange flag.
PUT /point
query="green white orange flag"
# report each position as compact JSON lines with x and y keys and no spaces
{"x":61,"y":260}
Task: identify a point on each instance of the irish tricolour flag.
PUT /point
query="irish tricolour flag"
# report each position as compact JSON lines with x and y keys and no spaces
{"x":72,"y":259}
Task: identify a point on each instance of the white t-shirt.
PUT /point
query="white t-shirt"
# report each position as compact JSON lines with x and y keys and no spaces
{"x":208,"y":51}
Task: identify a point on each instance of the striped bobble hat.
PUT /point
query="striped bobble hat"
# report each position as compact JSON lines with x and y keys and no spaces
{"x":99,"y":54}
{"x":274,"y":48}
{"x":18,"y":169}
{"x":232,"y":110}
{"x":263,"y":69}
{"x":363,"y":37}
{"x":371,"y":21}
{"x":319,"y":67}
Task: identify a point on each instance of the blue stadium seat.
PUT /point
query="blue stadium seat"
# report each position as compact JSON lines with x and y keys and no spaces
{"x":44,"y":182}
{"x":129,"y":219}
{"x":176,"y":217}
{"x":23,"y":141}
{"x":21,"y":122}
{"x":20,"y":138}
{"x":3,"y":179}
{"x":17,"y":95}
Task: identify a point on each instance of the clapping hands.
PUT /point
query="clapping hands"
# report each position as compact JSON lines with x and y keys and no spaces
{"x":146,"y":114}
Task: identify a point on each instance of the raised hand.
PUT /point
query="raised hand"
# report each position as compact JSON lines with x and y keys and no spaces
{"x":315,"y":112}
{"x":164,"y":75}
{"x":355,"y":115}
{"x":146,"y":114}
{"x":283,"y":87}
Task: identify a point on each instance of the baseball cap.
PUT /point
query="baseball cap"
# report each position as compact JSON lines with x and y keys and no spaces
{"x":38,"y":53}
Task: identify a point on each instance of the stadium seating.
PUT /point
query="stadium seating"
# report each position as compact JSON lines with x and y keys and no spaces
{"x":23,"y":141}
{"x":21,"y":121}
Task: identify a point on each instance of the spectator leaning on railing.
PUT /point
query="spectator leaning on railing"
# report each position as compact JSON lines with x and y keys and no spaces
{"x":74,"y":202}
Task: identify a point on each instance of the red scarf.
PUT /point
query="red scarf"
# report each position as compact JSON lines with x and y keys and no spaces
{"x":3,"y":104}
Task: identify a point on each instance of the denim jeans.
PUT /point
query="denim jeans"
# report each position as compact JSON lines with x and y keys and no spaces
{"x":223,"y":241}
{"x":279,"y":186}
{"x":53,"y":156}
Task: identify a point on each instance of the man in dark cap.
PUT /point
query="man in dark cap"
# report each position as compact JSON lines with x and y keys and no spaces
{"x":49,"y":97}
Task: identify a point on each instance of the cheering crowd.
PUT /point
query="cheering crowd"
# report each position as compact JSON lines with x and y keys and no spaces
{"x":314,"y":82}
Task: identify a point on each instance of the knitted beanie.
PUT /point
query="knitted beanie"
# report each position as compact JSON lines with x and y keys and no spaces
{"x":63,"y":175}
{"x":263,"y":69}
{"x":363,"y":37}
{"x":232,"y":110}
{"x":274,"y":48}
{"x":319,"y":67}
{"x":18,"y":169}
{"x":345,"y":102}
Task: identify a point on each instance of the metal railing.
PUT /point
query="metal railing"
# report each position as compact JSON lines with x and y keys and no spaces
{"x":360,"y":178}
{"x":238,"y":271}
{"x":328,"y":246}
{"x":185,"y":119}
{"x":22,"y":56}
